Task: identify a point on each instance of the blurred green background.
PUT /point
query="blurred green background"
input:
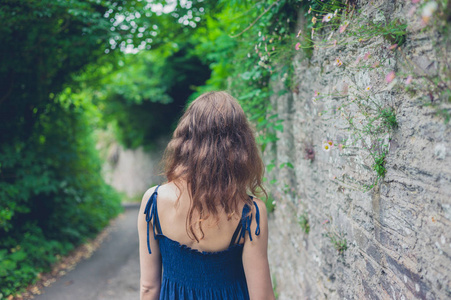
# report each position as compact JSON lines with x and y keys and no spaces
{"x":72,"y":68}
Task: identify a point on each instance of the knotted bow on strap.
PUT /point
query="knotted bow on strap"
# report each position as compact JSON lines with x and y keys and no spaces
{"x":246,"y":221}
{"x":151,"y":212}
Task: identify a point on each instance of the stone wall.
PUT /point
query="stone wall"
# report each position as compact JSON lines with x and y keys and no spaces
{"x":398,"y":233}
{"x":133,"y":171}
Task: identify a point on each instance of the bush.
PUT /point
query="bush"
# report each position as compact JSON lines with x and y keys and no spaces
{"x":52,"y":196}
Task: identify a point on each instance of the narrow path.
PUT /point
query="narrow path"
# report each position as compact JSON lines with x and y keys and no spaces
{"x":112,"y":272}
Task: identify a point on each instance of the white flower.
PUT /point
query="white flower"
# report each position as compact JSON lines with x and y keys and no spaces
{"x":328,"y":17}
{"x":428,"y":11}
{"x":326,"y":147}
{"x":329,"y":142}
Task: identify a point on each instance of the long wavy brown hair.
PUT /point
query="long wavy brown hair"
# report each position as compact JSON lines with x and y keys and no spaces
{"x":213,"y":149}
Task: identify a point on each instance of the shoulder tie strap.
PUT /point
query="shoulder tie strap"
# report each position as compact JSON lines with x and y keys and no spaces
{"x":257,"y":218}
{"x":245,"y":224}
{"x":246,"y":221}
{"x":151,"y":213}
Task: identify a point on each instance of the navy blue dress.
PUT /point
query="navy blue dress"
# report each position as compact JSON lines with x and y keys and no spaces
{"x":191,"y":274}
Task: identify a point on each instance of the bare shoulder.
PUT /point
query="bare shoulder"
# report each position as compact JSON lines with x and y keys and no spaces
{"x":167,"y":194}
{"x":261,"y":206}
{"x":146,"y":197}
{"x":149,"y":192}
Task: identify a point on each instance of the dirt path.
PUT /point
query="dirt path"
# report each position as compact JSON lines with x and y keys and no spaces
{"x":112,"y":272}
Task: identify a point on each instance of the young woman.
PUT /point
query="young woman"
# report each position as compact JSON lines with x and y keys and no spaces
{"x":201,"y":229}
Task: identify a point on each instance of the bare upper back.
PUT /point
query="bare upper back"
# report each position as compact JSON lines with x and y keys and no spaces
{"x":173,"y":215}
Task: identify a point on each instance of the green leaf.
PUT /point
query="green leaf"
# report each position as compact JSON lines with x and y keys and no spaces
{"x":269,"y":167}
{"x":278,"y":127}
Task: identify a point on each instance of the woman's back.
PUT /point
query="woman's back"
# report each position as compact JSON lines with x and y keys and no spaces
{"x":173,"y":213}
{"x":202,"y":230}
{"x":210,"y":269}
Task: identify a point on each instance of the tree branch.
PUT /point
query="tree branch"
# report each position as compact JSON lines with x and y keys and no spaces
{"x":255,"y":21}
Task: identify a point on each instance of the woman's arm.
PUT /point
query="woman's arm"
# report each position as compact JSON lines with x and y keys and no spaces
{"x":150,"y":264}
{"x":255,"y":257}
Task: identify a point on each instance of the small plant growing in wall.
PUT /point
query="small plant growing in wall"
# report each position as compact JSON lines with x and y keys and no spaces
{"x":379,"y":165}
{"x":336,"y":238}
{"x":304,"y":222}
{"x":388,"y":117}
{"x":274,"y":286}
{"x":338,"y":241}
{"x":370,"y":125}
